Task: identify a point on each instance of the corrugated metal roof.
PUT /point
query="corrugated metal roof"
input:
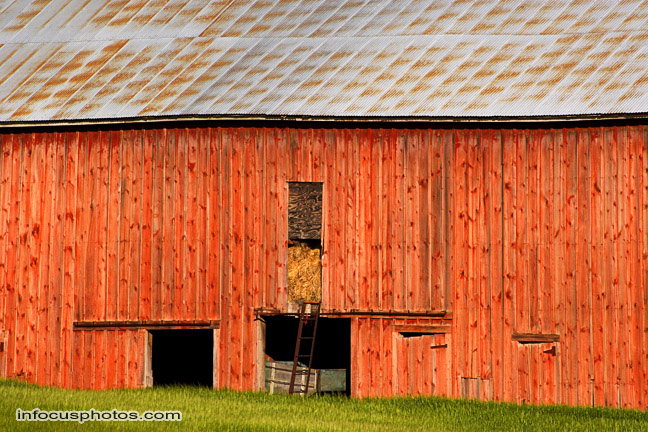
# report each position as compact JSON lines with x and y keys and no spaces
{"x":108,"y":59}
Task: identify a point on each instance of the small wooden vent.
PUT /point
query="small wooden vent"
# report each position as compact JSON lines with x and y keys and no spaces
{"x":535,"y":338}
{"x":412,"y":330}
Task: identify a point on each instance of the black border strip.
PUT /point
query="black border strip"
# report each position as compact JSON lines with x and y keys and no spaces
{"x":309,"y":122}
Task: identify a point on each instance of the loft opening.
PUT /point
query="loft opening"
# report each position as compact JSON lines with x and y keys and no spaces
{"x":182,"y":357}
{"x":305,"y":241}
{"x":332,"y":353}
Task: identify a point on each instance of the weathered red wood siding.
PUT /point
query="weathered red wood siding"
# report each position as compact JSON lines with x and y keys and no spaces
{"x":509,"y":231}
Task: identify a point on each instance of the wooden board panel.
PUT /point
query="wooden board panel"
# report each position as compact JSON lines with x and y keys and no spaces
{"x":304,"y":211}
{"x":6,"y":322}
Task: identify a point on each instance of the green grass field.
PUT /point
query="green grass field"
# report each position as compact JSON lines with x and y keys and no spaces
{"x":209,"y":410}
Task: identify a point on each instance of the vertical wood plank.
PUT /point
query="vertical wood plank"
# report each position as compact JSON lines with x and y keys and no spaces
{"x":610,"y":279}
{"x":584,"y":272}
{"x":398,"y":233}
{"x":57,"y":280}
{"x":363,"y":224}
{"x":496,"y":266}
{"x":170,"y":303}
{"x":89,"y":347}
{"x":237,"y":261}
{"x":598,"y":318}
{"x":410,"y":222}
{"x":203,"y":226}
{"x":53,"y":242}
{"x":110,"y":358}
{"x":136,"y":227}
{"x":356,"y":353}
{"x":179,"y":296}
{"x":622,"y":235}
{"x":569,"y":358}
{"x":161,"y":183}
{"x":270,"y":210}
{"x":473,"y":274}
{"x":21,"y":256}
{"x":616,"y":296}
{"x":389,"y":197}
{"x":250,"y":271}
{"x":376,"y":353}
{"x":282,"y":221}
{"x":77,"y":360}
{"x":121,"y":338}
{"x":642,"y":277}
{"x":5,"y":187}
{"x":148,"y":224}
{"x":82,"y":237}
{"x":374,"y":213}
{"x":40,"y":232}
{"x":353,"y":222}
{"x":489,"y":252}
{"x":436,"y":219}
{"x":67,"y":313}
{"x":510,"y":259}
{"x":226,"y":282}
{"x":6,"y":321}
{"x":387,"y":353}
{"x":448,"y":220}
{"x":28,"y":240}
{"x":459,"y":242}
{"x":191,"y":298}
{"x":124,"y":241}
{"x":113,"y":225}
{"x":425,"y":222}
{"x":330,"y":220}
{"x":637,"y":219}
{"x":214,"y":193}
{"x":95,"y":268}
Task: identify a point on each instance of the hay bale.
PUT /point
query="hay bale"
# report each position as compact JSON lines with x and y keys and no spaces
{"x":304,"y":273}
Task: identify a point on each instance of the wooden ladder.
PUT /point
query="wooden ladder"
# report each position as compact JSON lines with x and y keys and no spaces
{"x":306,"y":321}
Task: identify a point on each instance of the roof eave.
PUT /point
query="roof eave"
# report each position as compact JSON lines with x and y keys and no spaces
{"x":322,"y":119}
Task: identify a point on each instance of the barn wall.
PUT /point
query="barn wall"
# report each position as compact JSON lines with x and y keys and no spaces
{"x":549,"y":236}
{"x":107,"y":359}
{"x":512,"y":231}
{"x":385,"y":363}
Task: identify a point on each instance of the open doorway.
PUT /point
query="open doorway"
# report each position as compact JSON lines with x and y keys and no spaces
{"x":332,"y":346}
{"x":182,"y":357}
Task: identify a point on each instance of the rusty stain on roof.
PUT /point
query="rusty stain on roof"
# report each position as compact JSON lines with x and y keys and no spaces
{"x":87,"y":59}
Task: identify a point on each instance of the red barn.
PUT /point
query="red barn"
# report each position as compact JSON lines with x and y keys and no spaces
{"x":480,"y":174}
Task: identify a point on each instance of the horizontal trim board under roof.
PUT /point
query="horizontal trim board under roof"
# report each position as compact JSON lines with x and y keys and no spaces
{"x":331,"y":122}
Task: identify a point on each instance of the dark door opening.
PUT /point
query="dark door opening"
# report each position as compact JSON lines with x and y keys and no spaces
{"x":182,"y":357}
{"x":332,"y":347}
